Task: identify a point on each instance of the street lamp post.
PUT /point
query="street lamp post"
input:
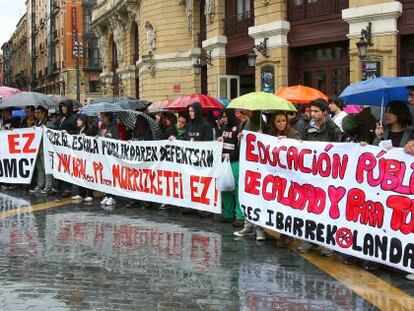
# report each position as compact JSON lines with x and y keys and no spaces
{"x":78,"y":51}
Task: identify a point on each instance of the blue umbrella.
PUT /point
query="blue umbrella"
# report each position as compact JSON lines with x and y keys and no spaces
{"x":378,"y":91}
{"x":224,"y":101}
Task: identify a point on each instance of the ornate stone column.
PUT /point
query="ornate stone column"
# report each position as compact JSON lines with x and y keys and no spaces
{"x":383,"y":17}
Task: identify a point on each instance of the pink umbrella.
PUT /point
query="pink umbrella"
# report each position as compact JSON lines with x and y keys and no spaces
{"x":353,"y":109}
{"x":7,"y":92}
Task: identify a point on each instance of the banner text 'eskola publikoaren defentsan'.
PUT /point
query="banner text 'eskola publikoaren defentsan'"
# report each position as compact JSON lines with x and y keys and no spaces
{"x":173,"y":172}
{"x":354,"y":199}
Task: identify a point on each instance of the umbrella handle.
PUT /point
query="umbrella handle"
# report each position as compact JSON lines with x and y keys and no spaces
{"x":382,"y":111}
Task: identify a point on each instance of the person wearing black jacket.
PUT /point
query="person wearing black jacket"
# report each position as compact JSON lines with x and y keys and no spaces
{"x":8,"y":121}
{"x":68,"y":117}
{"x":42,"y":181}
{"x":230,"y":199}
{"x":197,"y":128}
{"x":84,"y":129}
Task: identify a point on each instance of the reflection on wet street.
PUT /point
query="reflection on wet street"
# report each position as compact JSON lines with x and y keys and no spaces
{"x":81,"y":257}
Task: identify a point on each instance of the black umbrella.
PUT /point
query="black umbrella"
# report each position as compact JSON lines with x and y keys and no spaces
{"x":128,"y":117}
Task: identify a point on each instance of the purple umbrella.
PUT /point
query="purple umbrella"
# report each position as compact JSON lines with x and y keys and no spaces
{"x":7,"y":92}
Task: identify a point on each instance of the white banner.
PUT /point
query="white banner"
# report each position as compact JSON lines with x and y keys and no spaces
{"x":18,"y":153}
{"x":353,"y":199}
{"x":172,"y":172}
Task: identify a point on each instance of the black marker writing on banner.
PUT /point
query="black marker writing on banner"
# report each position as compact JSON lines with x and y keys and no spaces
{"x":15,"y":168}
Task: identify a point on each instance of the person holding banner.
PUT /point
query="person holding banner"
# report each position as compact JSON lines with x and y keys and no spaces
{"x":230,"y":199}
{"x":197,"y":128}
{"x":43,"y":182}
{"x":108,"y":130}
{"x":30,"y":119}
{"x":251,"y":123}
{"x":397,"y":129}
{"x":8,"y":121}
{"x":85,"y":194}
{"x":356,"y":130}
{"x":321,"y":128}
{"x":67,"y":124}
{"x":409,"y":146}
{"x":181,"y":125}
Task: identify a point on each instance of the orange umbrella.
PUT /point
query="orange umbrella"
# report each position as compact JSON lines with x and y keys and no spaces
{"x":300,"y":94}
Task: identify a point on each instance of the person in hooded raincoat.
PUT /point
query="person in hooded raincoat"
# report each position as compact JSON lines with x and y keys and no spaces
{"x":197,"y":128}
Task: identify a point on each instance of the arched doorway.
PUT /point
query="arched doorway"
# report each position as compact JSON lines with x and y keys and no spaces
{"x":114,"y":67}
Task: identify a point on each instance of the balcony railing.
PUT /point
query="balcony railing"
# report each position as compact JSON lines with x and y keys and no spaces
{"x":239,"y":24}
{"x":304,"y":9}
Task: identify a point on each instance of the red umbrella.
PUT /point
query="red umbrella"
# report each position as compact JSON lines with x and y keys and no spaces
{"x":182,"y":102}
{"x":7,"y":92}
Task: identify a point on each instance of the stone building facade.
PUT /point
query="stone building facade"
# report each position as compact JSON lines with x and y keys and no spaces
{"x":7,"y":63}
{"x":55,"y":29}
{"x":1,"y":70}
{"x":20,"y":57}
{"x":160,"y":49}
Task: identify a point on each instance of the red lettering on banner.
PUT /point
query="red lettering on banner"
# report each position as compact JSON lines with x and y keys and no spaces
{"x":250,"y":156}
{"x":402,"y":218}
{"x":98,"y":172}
{"x":29,"y":141}
{"x":335,"y":195}
{"x":366,"y":212}
{"x":390,"y":175}
{"x":252,"y":182}
{"x":15,"y":143}
{"x":199,"y":189}
{"x":64,"y":161}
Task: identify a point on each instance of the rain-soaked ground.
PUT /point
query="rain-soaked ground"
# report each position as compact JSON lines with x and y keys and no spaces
{"x":81,"y":257}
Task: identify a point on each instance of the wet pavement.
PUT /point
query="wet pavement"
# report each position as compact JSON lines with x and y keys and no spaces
{"x":81,"y":257}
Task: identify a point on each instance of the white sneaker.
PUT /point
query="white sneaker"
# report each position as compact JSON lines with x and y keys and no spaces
{"x":103,"y":202}
{"x":88,"y":199}
{"x":77,"y":198}
{"x":243,"y":232}
{"x":410,"y":277}
{"x":260,"y":236}
{"x":110,"y":202}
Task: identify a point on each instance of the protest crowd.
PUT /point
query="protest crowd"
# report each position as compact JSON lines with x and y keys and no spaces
{"x":320,"y":120}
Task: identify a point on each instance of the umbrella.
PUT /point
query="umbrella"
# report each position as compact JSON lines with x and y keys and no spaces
{"x":157,"y":106}
{"x":24,"y":99}
{"x":377,"y":92}
{"x":353,"y":109}
{"x":7,"y":92}
{"x":182,"y":102}
{"x":224,"y":101}
{"x":127,"y":102}
{"x":300,"y":94}
{"x":261,"y":101}
{"x":96,"y":108}
{"x":128,"y":117}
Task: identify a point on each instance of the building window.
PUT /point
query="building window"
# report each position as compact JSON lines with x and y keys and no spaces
{"x":243,"y":9}
{"x":92,"y":53}
{"x":94,"y":87}
{"x":87,"y":18}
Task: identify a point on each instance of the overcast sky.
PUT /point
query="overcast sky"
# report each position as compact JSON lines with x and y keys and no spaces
{"x":10,"y":13}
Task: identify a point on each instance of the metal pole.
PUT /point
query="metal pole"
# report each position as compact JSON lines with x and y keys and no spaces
{"x":77,"y":77}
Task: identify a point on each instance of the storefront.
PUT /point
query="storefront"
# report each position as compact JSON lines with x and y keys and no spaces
{"x":324,"y":67}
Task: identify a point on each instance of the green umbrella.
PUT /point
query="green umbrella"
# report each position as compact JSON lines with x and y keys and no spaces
{"x":261,"y":101}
